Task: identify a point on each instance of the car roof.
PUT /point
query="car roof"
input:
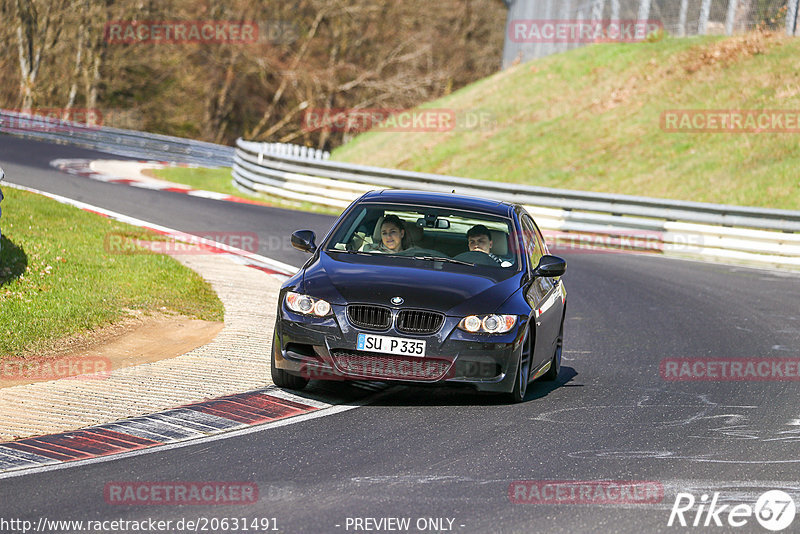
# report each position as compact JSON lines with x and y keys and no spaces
{"x":445,"y":200}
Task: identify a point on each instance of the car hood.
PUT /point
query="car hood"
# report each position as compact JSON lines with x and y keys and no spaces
{"x":448,"y":288}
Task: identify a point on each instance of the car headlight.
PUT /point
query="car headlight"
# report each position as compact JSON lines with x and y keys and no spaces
{"x":489,"y":324}
{"x":307,"y":305}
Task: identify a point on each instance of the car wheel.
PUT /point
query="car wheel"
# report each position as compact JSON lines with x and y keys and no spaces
{"x":523,"y":370}
{"x":555,"y":363}
{"x":282,"y":379}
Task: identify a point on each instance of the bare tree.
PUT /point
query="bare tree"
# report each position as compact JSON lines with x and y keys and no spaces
{"x":38,"y":30}
{"x":312,"y":54}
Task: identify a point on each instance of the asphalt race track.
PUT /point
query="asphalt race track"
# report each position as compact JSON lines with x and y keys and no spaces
{"x":452,"y":455}
{"x":28,"y":163}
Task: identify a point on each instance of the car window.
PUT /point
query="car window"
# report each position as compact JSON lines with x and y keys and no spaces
{"x":428,"y":232}
{"x":541,"y":243}
{"x":533,"y":246}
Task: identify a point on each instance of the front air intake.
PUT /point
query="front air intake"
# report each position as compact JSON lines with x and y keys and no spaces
{"x":369,"y":317}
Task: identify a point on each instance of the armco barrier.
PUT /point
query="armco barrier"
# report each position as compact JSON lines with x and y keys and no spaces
{"x":689,"y":229}
{"x":128,"y":143}
{"x":692,"y":229}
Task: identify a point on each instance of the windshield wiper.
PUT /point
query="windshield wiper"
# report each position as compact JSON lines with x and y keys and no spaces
{"x":360,"y":253}
{"x":446,"y":260}
{"x":373,"y":254}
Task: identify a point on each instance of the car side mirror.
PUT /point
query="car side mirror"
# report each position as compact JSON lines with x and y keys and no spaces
{"x":303,"y":240}
{"x":551,"y":267}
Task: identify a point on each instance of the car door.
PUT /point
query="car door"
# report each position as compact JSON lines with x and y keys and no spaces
{"x":537,"y":293}
{"x":552,"y":309}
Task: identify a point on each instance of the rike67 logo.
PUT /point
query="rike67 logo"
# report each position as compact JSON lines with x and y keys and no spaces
{"x":774,"y":510}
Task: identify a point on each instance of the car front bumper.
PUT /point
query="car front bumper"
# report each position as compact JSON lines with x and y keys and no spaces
{"x":325,"y":348}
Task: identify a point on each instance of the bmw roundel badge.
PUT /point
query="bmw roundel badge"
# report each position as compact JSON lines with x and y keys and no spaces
{"x":397,"y":301}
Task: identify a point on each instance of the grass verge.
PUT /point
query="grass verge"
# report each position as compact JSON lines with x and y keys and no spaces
{"x":58,"y":278}
{"x":590,"y":119}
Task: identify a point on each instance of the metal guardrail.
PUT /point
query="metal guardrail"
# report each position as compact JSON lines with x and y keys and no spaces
{"x":691,"y":229}
{"x":129,"y":143}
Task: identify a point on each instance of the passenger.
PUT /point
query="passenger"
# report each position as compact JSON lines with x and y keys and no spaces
{"x":479,"y":239}
{"x":393,"y":230}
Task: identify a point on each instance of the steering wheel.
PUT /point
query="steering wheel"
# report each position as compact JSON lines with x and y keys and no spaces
{"x":476,"y":257}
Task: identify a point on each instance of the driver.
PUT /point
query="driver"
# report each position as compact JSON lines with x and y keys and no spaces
{"x":479,"y":239}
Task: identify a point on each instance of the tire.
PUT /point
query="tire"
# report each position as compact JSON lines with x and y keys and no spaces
{"x":555,"y":363}
{"x":282,"y":379}
{"x":523,"y":375}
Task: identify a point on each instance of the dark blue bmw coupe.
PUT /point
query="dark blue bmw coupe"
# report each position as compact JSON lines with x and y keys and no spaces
{"x":423,"y":288}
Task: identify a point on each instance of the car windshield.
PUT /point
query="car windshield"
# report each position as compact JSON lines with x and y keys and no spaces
{"x":428,"y":234}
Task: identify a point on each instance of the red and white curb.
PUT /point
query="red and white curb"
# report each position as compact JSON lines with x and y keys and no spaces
{"x":188,"y":422}
{"x":243,"y":257}
{"x":210,"y":420}
{"x":83,"y":167}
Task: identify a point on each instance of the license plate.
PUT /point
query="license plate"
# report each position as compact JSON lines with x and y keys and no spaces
{"x":391,"y":345}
